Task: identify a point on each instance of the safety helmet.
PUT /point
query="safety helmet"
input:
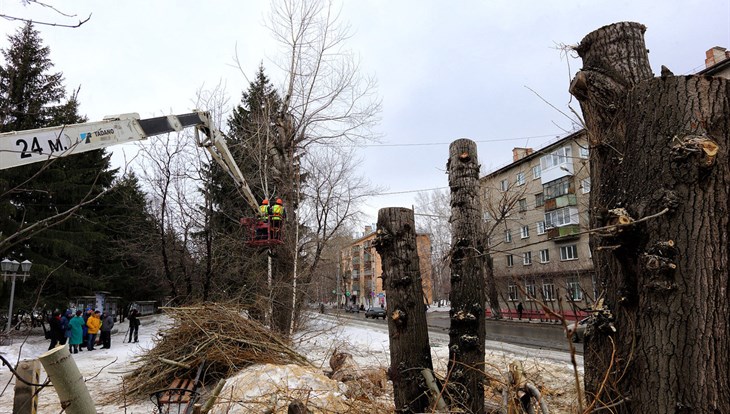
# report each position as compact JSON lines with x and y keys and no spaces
{"x":278,"y":201}
{"x":265,"y":201}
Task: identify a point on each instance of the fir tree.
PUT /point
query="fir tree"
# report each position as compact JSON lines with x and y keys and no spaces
{"x":33,"y":96}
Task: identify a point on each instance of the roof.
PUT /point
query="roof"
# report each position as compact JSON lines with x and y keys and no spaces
{"x":538,"y":153}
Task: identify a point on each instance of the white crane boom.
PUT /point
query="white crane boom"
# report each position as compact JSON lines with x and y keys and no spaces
{"x":39,"y":145}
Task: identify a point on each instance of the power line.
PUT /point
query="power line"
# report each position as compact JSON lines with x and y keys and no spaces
{"x":427,"y":144}
{"x":407,"y":191}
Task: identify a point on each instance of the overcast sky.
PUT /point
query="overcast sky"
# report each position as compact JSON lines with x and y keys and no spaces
{"x":446,"y":69}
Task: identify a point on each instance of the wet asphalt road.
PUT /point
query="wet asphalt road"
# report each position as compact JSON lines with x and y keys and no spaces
{"x":547,"y":336}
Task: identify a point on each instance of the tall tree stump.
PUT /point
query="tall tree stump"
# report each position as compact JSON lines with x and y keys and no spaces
{"x":660,"y":193}
{"x":410,"y":352}
{"x":468,"y":253}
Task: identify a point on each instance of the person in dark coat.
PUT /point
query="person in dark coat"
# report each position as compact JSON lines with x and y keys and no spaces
{"x":57,"y":334}
{"x":64,"y":326}
{"x":107,"y":323}
{"x":134,"y":325}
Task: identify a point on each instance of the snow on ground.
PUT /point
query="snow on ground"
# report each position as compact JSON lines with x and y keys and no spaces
{"x":103,"y":369}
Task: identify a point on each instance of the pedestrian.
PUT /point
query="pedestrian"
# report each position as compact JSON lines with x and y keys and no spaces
{"x":133,"y":325}
{"x":107,"y":323}
{"x":86,"y":316}
{"x":76,"y":323}
{"x":94,"y":324}
{"x":65,"y":319}
{"x":519,"y":310}
{"x":56,"y":333}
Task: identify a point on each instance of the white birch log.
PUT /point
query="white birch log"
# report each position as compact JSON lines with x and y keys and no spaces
{"x":67,"y":380}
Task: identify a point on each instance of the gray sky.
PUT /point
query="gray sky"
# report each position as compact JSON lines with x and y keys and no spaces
{"x":446,"y":69}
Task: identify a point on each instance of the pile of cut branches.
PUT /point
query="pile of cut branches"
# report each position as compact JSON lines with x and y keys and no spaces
{"x":218,"y":336}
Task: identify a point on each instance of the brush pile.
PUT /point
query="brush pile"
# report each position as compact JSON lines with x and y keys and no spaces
{"x":217,"y":336}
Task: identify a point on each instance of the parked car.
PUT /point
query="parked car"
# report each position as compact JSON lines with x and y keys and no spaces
{"x":352,"y":309}
{"x":576,"y":331}
{"x":375,"y":313}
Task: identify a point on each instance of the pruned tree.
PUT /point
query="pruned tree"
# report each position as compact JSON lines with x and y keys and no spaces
{"x":410,"y":352}
{"x":467,"y":331}
{"x":660,"y":342}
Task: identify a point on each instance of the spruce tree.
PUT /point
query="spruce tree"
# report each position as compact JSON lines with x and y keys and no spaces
{"x":67,"y":252}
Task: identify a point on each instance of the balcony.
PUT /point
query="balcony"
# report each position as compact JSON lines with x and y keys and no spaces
{"x":564,"y":233}
{"x":560,"y":202}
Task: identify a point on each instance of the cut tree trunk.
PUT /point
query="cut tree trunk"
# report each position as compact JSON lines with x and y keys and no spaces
{"x":468,"y":253}
{"x":660,"y":172}
{"x":67,"y":381}
{"x":410,"y":351}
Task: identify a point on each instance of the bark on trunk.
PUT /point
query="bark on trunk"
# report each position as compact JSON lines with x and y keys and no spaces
{"x":659,"y":150}
{"x":467,"y":332}
{"x":409,"y":348}
{"x":67,"y":381}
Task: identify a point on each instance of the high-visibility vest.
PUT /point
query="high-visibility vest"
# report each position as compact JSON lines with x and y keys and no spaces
{"x":264,"y":211}
{"x":277,"y":211}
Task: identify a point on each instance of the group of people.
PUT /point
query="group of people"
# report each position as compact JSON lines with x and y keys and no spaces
{"x":272,"y":217}
{"x":82,"y":328}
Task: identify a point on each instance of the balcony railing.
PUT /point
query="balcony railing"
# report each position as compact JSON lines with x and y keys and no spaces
{"x":564,"y":232}
{"x":560,"y":202}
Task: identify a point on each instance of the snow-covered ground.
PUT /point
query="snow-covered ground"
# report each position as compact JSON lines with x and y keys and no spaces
{"x":103,"y":369}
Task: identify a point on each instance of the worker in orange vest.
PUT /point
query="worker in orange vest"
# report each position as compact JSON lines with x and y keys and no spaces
{"x":278,"y":213}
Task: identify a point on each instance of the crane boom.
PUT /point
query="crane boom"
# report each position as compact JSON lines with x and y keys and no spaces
{"x":38,"y":145}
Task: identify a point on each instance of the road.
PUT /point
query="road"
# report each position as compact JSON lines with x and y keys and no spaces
{"x":535,"y":335}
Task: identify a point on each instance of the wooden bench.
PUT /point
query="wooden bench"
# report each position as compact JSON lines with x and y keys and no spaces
{"x":179,"y":397}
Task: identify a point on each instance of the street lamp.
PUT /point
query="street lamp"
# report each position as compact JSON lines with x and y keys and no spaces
{"x":9,"y":269}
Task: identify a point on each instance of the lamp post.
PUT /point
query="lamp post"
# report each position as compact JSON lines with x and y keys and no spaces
{"x":9,"y":269}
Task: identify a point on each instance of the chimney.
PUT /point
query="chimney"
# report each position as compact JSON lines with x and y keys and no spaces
{"x":368,"y":230}
{"x":520,"y":153}
{"x":715,"y":55}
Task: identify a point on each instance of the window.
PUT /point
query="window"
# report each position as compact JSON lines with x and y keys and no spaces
{"x":530,"y":288}
{"x":536,"y":172}
{"x":548,"y":290}
{"x":584,"y":153}
{"x":561,"y":217}
{"x":555,"y":158}
{"x":527,"y":258}
{"x":522,"y":204}
{"x":569,"y":252}
{"x":510,"y":260}
{"x":512,"y":291}
{"x":544,"y":256}
{"x":525,"y":233}
{"x":504,"y":185}
{"x":557,"y":188}
{"x":489,"y":241}
{"x":585,"y":185}
{"x":574,"y":291}
{"x":520,"y":180}
{"x":539,"y":200}
{"x":486,"y":216}
{"x":540,"y":227}
{"x":507,"y":237}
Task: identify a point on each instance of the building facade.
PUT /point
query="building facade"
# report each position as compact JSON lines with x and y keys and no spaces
{"x":361,"y":270}
{"x":536,"y":217}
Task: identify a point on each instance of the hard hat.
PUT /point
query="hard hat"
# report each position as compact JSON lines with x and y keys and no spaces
{"x":278,"y":201}
{"x":265,"y":201}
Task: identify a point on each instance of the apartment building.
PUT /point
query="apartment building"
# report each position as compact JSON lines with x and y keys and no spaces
{"x":536,"y":213}
{"x":361,"y":269}
{"x":717,"y":62}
